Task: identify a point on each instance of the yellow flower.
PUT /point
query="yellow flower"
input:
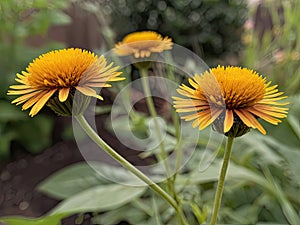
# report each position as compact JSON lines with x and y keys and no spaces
{"x":58,"y":74}
{"x":232,"y":98}
{"x":143,"y":44}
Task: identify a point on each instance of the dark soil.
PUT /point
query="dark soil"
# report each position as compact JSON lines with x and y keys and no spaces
{"x":20,"y":175}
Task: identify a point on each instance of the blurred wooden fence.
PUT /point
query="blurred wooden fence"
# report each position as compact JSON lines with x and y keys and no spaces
{"x":84,"y":31}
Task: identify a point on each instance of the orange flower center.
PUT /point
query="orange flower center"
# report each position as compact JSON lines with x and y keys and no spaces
{"x":231,"y":87}
{"x":52,"y":70}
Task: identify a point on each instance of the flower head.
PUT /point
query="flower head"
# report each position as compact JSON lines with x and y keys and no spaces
{"x":143,"y":44}
{"x":58,"y":74}
{"x":232,"y":98}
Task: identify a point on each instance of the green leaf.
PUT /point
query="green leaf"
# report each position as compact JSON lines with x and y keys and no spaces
{"x":5,"y":140}
{"x":212,"y":174}
{"x":49,"y":220}
{"x":157,"y":215}
{"x":10,"y":112}
{"x":287,"y":132}
{"x":71,"y":180}
{"x":102,"y":109}
{"x":100,"y":198}
{"x":263,"y":147}
{"x":127,"y":212}
{"x":153,"y":146}
{"x":35,"y":134}
{"x":292,"y":156}
{"x":295,"y":125}
{"x":245,"y":214}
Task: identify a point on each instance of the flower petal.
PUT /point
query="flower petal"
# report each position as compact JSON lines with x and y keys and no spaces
{"x":31,"y":101}
{"x":249,"y":120}
{"x":209,"y":118}
{"x":265,"y":116}
{"x":20,"y":92}
{"x":228,"y":122}
{"x":191,"y":117}
{"x":25,"y":97}
{"x":63,"y":94}
{"x":88,"y":92}
{"x":41,"y":102}
{"x":191,"y":109}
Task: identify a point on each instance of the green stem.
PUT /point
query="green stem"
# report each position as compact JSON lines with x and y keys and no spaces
{"x":221,"y":181}
{"x":176,"y":124}
{"x":153,"y":113}
{"x":109,"y":150}
{"x":101,"y":143}
{"x":152,"y":110}
{"x":179,"y":150}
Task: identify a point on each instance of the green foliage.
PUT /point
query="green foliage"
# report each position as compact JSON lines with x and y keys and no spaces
{"x":51,"y":219}
{"x":262,"y":185}
{"x":16,"y":126}
{"x":275,"y":54}
{"x":213,"y":28}
{"x":20,"y":20}
{"x":99,"y":198}
{"x":83,"y":190}
{"x":71,"y":181}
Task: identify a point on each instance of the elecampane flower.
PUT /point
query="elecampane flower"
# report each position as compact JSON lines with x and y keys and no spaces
{"x":61,"y":72}
{"x":232,"y":98}
{"x":143,"y":44}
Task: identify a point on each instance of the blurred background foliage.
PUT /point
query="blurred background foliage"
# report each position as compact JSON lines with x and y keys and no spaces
{"x":211,"y":28}
{"x":263,"y":183}
{"x":20,"y":20}
{"x":271,"y":43}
